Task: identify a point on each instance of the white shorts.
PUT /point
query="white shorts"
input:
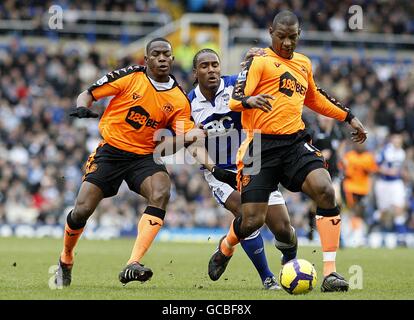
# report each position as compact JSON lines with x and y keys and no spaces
{"x":389,"y":193}
{"x":221,"y":191}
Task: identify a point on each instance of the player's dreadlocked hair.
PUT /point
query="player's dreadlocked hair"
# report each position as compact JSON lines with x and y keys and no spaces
{"x":195,"y":59}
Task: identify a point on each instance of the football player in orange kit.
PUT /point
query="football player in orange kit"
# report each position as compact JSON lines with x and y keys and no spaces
{"x":145,"y":100}
{"x":270,"y":92}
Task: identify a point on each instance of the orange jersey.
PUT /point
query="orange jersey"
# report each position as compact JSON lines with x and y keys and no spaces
{"x":290,"y":82}
{"x":138,"y":110}
{"x":358,"y":168}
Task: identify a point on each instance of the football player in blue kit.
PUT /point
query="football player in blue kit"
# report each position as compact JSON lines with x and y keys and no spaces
{"x":209,"y":103}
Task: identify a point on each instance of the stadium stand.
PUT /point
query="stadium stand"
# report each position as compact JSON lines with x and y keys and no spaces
{"x":42,"y":149}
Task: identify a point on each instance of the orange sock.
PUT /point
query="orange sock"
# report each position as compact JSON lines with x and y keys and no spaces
{"x":148,"y":228}
{"x":227,"y":245}
{"x":70,"y":239}
{"x":329,"y":229}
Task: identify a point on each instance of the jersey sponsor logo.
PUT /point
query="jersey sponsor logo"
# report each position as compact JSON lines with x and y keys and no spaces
{"x":219,"y":126}
{"x":289,"y":85}
{"x":167,"y":108}
{"x":138,"y":117}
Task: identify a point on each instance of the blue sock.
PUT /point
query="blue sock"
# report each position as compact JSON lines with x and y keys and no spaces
{"x":289,"y":254}
{"x":254,"y":249}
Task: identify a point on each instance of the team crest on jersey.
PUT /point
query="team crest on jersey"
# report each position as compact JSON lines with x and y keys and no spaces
{"x":226,"y":98}
{"x":245,"y":180}
{"x":167,"y":108}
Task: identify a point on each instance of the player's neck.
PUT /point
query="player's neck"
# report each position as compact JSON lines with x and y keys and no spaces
{"x":209,"y":94}
{"x":279,"y":55}
{"x":163,"y":78}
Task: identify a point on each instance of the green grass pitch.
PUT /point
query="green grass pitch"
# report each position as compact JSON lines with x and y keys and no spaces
{"x":180,"y":272}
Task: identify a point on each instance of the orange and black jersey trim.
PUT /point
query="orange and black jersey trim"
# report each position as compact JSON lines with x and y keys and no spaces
{"x":138,"y":109}
{"x":291,"y":83}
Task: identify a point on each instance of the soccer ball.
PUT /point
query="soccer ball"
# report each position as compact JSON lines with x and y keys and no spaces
{"x":298,"y":276}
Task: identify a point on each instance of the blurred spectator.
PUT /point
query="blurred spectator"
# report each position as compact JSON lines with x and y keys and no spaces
{"x":42,"y":150}
{"x":390,"y":190}
{"x":358,"y":165}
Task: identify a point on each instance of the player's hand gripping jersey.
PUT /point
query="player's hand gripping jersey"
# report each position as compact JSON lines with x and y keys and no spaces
{"x":138,"y":109}
{"x":290,"y":82}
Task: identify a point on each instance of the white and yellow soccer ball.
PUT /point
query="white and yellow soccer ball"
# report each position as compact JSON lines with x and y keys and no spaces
{"x":298,"y":276}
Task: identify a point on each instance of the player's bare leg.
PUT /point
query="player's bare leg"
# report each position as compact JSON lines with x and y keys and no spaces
{"x":253,"y":218}
{"x":278,"y":222}
{"x":88,"y":199}
{"x":156,"y":189}
{"x":318,"y":186}
{"x":253,"y":246}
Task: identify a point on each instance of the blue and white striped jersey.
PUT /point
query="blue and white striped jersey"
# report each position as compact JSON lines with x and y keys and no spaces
{"x":391,"y":157}
{"x":224,"y":126}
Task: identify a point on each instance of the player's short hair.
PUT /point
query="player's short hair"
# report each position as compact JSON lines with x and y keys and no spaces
{"x":286,"y":17}
{"x":205,"y":50}
{"x":155,"y":40}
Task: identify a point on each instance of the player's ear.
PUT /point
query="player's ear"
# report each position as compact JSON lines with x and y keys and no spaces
{"x":195,"y":80}
{"x":145,"y":59}
{"x":271,"y":30}
{"x":299,"y":31}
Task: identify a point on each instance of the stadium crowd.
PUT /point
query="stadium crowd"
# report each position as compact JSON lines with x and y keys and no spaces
{"x":42,"y":149}
{"x":381,"y":17}
{"x":395,"y":17}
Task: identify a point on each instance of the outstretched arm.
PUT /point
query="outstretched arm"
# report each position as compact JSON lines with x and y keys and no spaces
{"x":319,"y":101}
{"x":83,"y":103}
{"x":200,"y":153}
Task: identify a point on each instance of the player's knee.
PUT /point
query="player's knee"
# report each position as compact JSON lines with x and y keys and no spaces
{"x":283,"y":231}
{"x":82,"y":211}
{"x":251,"y":224}
{"x":160,"y":196}
{"x":326,"y":194}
